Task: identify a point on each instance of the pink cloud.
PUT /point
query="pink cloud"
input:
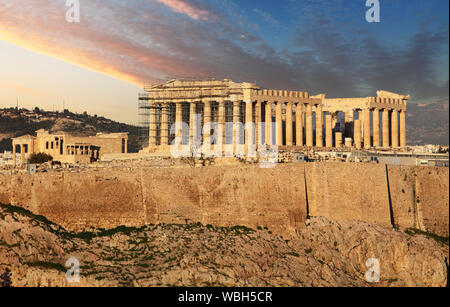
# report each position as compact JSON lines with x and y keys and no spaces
{"x":137,"y":44}
{"x":95,"y":48}
{"x":182,"y":7}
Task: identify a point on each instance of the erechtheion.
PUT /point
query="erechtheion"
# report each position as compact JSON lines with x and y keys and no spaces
{"x":66,"y":148}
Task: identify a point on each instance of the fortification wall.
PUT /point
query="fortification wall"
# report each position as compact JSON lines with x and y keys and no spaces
{"x":278,"y":198}
{"x":432,"y":190}
{"x":348,"y":191}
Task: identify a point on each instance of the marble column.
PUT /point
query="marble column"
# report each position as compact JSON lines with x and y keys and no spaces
{"x":14,"y":155}
{"x":357,"y":134}
{"x":299,"y":124}
{"x":192,"y":124}
{"x":221,"y":120}
{"x":268,"y":123}
{"x":367,"y":139}
{"x":152,"y":126}
{"x":164,"y":124}
{"x":179,"y":121}
{"x":334,"y":121}
{"x":319,"y":126}
{"x":328,"y":131}
{"x":22,"y":153}
{"x":258,"y":124}
{"x":248,"y":126}
{"x":236,"y":121}
{"x":385,"y":128}
{"x":289,"y":123}
{"x":394,"y":128}
{"x":361,"y":121}
{"x":207,"y":123}
{"x":279,"y":123}
{"x":402,"y":128}
{"x":338,"y":137}
{"x":309,"y":128}
{"x":348,"y":142}
{"x":376,"y":128}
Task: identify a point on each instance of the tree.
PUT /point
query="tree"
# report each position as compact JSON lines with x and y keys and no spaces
{"x":5,"y":279}
{"x":39,"y":158}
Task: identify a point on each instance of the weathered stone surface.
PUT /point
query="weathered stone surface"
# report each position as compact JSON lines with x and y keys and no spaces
{"x":402,"y":184}
{"x":432,"y":199}
{"x":323,"y":254}
{"x":230,"y":195}
{"x":348,"y":191}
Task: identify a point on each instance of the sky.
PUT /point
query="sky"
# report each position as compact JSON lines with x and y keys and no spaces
{"x":101,"y":63}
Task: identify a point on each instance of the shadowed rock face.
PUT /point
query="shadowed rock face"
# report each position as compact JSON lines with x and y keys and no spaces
{"x":324,"y":253}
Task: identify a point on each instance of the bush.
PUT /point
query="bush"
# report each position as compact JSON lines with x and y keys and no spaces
{"x":5,"y":279}
{"x":435,"y":237}
{"x":39,"y":158}
{"x":47,"y":265}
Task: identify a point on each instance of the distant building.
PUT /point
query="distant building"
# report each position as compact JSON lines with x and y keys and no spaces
{"x":6,"y":158}
{"x":66,"y":148}
{"x":429,"y":149}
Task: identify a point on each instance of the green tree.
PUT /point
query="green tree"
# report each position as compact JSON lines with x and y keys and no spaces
{"x":39,"y":158}
{"x":5,"y":279}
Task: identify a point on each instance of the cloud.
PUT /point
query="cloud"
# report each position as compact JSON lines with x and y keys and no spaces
{"x":144,"y":42}
{"x":132,"y":44}
{"x":23,"y":89}
{"x":184,"y":7}
{"x":266,"y":16}
{"x":343,"y":58}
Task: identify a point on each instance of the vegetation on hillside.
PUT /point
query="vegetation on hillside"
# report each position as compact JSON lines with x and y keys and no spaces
{"x":18,"y":122}
{"x":39,"y":158}
{"x":5,"y":279}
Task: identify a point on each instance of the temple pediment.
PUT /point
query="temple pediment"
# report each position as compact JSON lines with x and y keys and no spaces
{"x":386,"y":94}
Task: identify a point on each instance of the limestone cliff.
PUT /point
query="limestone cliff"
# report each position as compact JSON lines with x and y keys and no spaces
{"x":323,"y":253}
{"x":278,"y":198}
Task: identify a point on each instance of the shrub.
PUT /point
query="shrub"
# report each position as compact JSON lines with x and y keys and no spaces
{"x":47,"y":265}
{"x":39,"y":158}
{"x":5,"y":279}
{"x":293,"y":254}
{"x":435,"y":237}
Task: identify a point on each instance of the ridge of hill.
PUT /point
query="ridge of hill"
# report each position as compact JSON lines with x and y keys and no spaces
{"x":17,"y":122}
{"x":428,"y":123}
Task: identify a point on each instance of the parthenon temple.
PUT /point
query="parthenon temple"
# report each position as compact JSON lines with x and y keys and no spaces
{"x":244,"y":114}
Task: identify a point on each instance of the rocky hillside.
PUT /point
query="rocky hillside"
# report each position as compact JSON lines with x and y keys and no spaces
{"x":428,"y":123}
{"x":19,"y":122}
{"x":324,"y":254}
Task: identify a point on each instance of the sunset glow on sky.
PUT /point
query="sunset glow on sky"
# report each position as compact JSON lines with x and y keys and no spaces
{"x":100,"y":64}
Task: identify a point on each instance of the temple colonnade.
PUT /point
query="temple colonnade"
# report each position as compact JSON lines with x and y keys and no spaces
{"x":243,"y":114}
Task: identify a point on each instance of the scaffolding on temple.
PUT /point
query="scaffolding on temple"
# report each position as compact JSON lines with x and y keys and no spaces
{"x":144,"y":120}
